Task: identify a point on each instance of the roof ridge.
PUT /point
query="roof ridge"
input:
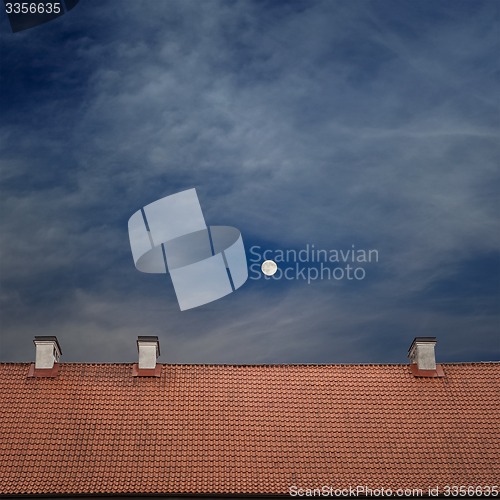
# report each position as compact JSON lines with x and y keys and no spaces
{"x":26,"y":363}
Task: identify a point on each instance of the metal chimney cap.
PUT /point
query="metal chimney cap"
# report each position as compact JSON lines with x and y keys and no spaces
{"x":47,"y":338}
{"x":149,"y":338}
{"x":428,"y":340}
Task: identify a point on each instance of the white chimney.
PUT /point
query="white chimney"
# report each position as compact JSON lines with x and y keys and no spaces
{"x":149,"y":350}
{"x":48,"y":352}
{"x":422,"y":353}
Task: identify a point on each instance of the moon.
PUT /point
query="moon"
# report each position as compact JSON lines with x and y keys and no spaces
{"x":269,"y":267}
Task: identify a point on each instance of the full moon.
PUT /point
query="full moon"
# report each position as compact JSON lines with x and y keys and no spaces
{"x":269,"y":267}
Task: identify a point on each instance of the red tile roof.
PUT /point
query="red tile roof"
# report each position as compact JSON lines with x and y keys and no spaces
{"x":247,"y":429}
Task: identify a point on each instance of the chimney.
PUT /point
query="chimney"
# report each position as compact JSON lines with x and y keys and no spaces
{"x":149,"y":350}
{"x":422,"y":353}
{"x":48,"y":352}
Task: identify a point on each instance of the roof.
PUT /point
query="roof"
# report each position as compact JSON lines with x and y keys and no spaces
{"x":96,"y":429}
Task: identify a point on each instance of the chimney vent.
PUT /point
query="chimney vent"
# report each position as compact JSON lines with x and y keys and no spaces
{"x":149,"y":350}
{"x":48,"y":352}
{"x":422,"y":353}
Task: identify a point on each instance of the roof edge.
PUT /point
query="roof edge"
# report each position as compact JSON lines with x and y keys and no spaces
{"x":27,"y":363}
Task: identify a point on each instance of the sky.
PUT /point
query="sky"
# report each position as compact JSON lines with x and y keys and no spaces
{"x":347,"y":125}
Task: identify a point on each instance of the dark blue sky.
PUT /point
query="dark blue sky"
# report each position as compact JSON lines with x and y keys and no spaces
{"x":326,"y":123}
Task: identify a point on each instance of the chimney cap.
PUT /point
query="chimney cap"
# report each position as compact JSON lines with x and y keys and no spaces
{"x":419,"y":340}
{"x":47,"y":338}
{"x":149,"y":338}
